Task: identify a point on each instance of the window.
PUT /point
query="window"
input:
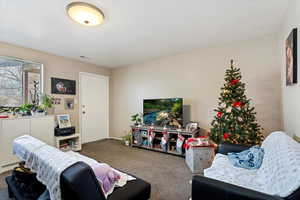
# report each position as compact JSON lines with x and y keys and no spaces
{"x":18,"y":81}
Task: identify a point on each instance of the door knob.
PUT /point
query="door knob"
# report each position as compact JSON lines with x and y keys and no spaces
{"x":83,"y":112}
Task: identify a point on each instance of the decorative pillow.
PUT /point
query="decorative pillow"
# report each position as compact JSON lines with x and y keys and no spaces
{"x":248,"y":159}
{"x":107,"y":176}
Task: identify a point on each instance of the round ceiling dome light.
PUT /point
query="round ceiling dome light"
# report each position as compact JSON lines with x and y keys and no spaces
{"x":85,"y":13}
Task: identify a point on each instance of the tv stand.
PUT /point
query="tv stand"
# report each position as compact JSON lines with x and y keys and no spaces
{"x":150,"y":137}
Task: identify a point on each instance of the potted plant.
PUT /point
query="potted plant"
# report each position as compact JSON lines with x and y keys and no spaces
{"x":137,"y":118}
{"x":26,"y":109}
{"x":46,"y":103}
{"x":127,"y":139}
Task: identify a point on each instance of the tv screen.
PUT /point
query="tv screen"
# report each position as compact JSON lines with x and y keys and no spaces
{"x":163,"y":112}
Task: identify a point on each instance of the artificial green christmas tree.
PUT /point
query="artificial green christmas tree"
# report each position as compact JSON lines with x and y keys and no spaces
{"x":235,"y":120}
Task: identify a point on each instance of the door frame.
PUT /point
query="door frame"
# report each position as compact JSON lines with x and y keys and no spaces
{"x":80,"y":100}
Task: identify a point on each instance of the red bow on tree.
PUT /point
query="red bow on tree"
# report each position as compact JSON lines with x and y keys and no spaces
{"x":219,"y":114}
{"x":226,"y":135}
{"x":234,"y":81}
{"x":237,"y":104}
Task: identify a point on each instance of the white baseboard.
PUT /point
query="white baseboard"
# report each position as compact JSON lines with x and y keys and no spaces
{"x":115,"y":138}
{"x":8,"y":168}
{"x":107,"y":138}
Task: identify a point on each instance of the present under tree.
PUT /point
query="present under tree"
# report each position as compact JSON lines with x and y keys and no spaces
{"x":235,"y":120}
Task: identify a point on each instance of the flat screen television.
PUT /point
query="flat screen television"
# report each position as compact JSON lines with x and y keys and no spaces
{"x":163,"y":112}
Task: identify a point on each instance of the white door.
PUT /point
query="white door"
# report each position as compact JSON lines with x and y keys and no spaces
{"x":94,"y":107}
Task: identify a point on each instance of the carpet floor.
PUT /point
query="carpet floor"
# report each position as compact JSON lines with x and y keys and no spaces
{"x":3,"y":194}
{"x":169,"y":176}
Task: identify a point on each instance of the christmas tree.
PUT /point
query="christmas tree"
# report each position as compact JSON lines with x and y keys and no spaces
{"x":235,"y":120}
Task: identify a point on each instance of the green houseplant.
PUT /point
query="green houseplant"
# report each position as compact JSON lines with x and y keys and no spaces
{"x":26,"y":109}
{"x":29,"y":109}
{"x":137,"y":118}
{"x":127,"y":139}
{"x":46,"y":103}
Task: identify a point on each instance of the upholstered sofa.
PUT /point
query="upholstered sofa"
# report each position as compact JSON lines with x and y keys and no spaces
{"x":78,"y":182}
{"x":278,"y":178}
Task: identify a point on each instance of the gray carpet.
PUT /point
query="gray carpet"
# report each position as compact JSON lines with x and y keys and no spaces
{"x":3,"y":194}
{"x":168,"y":175}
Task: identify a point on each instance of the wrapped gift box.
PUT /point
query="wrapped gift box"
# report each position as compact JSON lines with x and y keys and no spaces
{"x":199,"y":154}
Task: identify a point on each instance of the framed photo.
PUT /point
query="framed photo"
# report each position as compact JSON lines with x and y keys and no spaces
{"x":69,"y":103}
{"x":63,"y":121}
{"x":63,"y":86}
{"x":56,"y":101}
{"x":192,"y":126}
{"x":291,"y":58}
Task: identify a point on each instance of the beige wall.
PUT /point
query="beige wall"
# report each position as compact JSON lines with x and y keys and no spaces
{"x":197,"y":77}
{"x":290,"y":94}
{"x":56,"y":66}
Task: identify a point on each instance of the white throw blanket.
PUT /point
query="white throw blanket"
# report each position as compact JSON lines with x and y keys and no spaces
{"x":49,"y":162}
{"x":23,"y":151}
{"x":278,"y":175}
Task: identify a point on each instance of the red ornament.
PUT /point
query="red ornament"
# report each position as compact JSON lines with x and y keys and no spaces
{"x":226,"y":135}
{"x":219,"y":114}
{"x":234,"y":81}
{"x":237,"y":104}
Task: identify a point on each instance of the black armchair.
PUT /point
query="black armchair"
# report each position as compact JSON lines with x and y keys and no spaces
{"x":206,"y":188}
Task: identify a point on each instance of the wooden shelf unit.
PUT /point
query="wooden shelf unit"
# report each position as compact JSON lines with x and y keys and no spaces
{"x":172,"y":135}
{"x":69,"y":143}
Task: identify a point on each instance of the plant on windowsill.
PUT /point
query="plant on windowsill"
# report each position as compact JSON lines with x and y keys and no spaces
{"x":46,"y":103}
{"x":26,"y":109}
{"x":137,"y":118}
{"x":5,"y":109}
{"x":34,"y":109}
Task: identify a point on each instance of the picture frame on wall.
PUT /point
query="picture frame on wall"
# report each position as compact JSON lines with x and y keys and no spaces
{"x":56,"y":101}
{"x":63,"y":121}
{"x":291,"y":58}
{"x":63,"y":86}
{"x":192,"y":126}
{"x":69,"y":103}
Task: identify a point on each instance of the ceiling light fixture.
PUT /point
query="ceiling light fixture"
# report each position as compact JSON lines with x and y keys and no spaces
{"x":85,"y":13}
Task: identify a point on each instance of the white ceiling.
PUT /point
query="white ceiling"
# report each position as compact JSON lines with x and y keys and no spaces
{"x":137,"y":30}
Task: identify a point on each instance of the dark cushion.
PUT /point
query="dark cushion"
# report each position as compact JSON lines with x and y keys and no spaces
{"x":78,"y":182}
{"x":225,"y":148}
{"x":133,"y":190}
